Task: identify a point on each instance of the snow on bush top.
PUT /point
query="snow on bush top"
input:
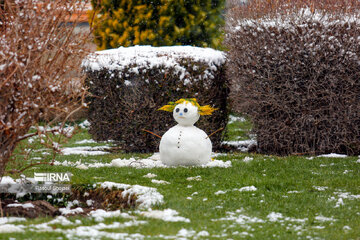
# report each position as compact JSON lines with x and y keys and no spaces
{"x":296,"y":18}
{"x":149,"y":57}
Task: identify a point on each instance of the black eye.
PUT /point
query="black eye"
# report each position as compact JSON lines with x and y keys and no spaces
{"x":185,"y":109}
{"x":178,"y":109}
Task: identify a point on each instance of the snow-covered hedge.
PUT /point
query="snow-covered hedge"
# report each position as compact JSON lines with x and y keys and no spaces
{"x":128,"y":85}
{"x":297,"y":75}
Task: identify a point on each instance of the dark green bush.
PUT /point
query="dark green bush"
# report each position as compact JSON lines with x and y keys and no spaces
{"x":297,"y":75}
{"x":157,"y":22}
{"x":128,"y":85}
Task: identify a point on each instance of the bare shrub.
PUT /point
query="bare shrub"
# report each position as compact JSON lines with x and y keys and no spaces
{"x":295,"y":70}
{"x":39,"y":53}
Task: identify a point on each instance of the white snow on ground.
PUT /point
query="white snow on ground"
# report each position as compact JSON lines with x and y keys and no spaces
{"x":220,"y":192}
{"x":85,"y":151}
{"x":4,"y":220}
{"x":67,"y":210}
{"x":278,"y":217}
{"x":99,"y":215}
{"x":94,"y":231}
{"x":168,"y":215}
{"x":154,"y":161}
{"x":243,"y":145}
{"x":150,"y":175}
{"x":146,"y":196}
{"x":8,"y":228}
{"x":81,"y":165}
{"x":320,"y":188}
{"x":233,"y":119}
{"x":324,"y":219}
{"x":248,"y":159}
{"x":85,"y":141}
{"x":61,"y":220}
{"x":85,"y":124}
{"x":340,"y":196}
{"x":333,"y":155}
{"x":7,"y":180}
{"x":24,"y":205}
{"x":159,"y":181}
{"x":239,"y":218}
{"x":246,"y":189}
{"x":151,"y":162}
{"x":196,"y":178}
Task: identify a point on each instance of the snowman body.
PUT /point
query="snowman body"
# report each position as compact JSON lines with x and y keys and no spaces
{"x":185,"y":144}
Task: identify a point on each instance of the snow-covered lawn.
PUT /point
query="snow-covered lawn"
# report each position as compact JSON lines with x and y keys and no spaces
{"x":236,"y":196}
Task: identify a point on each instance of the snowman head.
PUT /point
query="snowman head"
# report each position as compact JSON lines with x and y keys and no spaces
{"x":187,"y":111}
{"x":186,"y":114}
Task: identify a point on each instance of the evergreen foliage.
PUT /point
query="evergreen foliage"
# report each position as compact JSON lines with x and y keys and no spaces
{"x":157,"y":22}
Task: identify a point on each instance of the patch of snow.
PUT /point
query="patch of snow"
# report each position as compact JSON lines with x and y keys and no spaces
{"x":148,"y":57}
{"x":321,"y":218}
{"x":241,"y":218}
{"x":220,"y":192}
{"x":185,"y":233}
{"x":294,"y":191}
{"x":85,"y":124}
{"x":4,"y":220}
{"x":196,"y":178}
{"x":233,"y":119}
{"x":347,"y":228}
{"x":168,"y":215}
{"x":150,"y":175}
{"x":7,"y":180}
{"x":274,"y":217}
{"x":246,"y":189}
{"x":82,"y":166}
{"x":99,"y":215}
{"x":85,"y":151}
{"x":159,"y":181}
{"x":66,"y":211}
{"x":248,"y":159}
{"x":24,"y":205}
{"x":89,"y":202}
{"x":61,"y":220}
{"x":146,"y":196}
{"x":333,"y":155}
{"x":319,"y":188}
{"x":8,"y":228}
{"x":155,"y":162}
{"x":86,"y":141}
{"x":217,"y":163}
{"x":203,"y":234}
{"x":94,"y":231}
{"x":347,"y":195}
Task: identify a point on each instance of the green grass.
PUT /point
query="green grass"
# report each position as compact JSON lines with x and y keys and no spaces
{"x":286,"y":185}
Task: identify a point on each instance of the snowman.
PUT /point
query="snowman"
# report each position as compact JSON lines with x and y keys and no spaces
{"x":185,"y":144}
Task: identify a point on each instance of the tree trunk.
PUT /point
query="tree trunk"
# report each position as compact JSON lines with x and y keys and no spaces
{"x":7,"y":146}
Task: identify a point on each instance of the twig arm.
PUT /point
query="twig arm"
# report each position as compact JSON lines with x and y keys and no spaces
{"x":214,"y":132}
{"x":151,"y":133}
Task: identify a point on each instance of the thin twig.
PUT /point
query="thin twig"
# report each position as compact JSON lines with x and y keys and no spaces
{"x":151,"y":133}
{"x":214,"y":132}
{"x":12,"y":171}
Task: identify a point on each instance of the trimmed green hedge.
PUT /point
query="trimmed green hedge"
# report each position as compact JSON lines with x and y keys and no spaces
{"x":128,"y":85}
{"x":297,"y":76}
